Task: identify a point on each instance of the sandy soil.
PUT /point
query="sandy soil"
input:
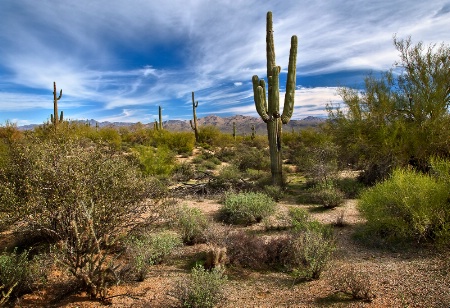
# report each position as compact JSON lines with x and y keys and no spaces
{"x":418,"y":278}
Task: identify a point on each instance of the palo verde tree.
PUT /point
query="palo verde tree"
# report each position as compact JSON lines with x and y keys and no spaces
{"x":401,"y":117}
{"x":268,"y":107}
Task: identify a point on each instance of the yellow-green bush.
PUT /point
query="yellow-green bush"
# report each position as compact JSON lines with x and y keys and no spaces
{"x":408,"y":205}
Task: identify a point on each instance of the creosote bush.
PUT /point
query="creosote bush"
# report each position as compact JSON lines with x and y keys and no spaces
{"x":191,"y":223}
{"x":407,"y":206}
{"x":246,"y":208}
{"x":145,"y":250}
{"x":203,"y":288}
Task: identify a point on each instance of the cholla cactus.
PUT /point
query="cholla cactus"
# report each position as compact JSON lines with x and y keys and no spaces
{"x":268,"y":107}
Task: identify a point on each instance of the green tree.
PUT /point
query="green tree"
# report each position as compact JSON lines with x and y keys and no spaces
{"x":401,"y":117}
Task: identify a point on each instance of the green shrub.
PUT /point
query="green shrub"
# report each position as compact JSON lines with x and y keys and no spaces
{"x":274,"y":191}
{"x":307,"y":253}
{"x":252,"y":158}
{"x":149,"y":249}
{"x":79,"y":194}
{"x":15,"y":274}
{"x":246,"y":208}
{"x":327,"y":195}
{"x":351,"y":187}
{"x":203,"y":289}
{"x":159,"y":161}
{"x":191,"y":223}
{"x":408,"y":205}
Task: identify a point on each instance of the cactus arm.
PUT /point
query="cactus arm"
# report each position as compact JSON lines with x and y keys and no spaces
{"x":192,"y":126}
{"x":288,"y":108}
{"x":260,"y":98}
{"x":260,"y":104}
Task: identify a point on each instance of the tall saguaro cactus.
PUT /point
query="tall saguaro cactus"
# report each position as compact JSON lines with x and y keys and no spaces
{"x":268,"y":107}
{"x":194,"y":126}
{"x":54,"y":117}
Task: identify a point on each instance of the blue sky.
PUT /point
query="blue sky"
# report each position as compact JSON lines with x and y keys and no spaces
{"x":118,"y":60}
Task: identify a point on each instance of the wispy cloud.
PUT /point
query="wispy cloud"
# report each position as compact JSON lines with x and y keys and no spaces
{"x":116,"y":57}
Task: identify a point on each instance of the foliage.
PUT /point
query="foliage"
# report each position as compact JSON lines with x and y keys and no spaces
{"x":273,"y":191}
{"x":212,"y":136}
{"x":401,"y":118}
{"x":314,"y":153}
{"x":82,"y":195}
{"x":251,"y":158}
{"x":156,"y":161}
{"x":408,"y":205}
{"x":327,"y":195}
{"x":191,"y":223}
{"x":246,"y":208}
{"x":14,"y":274}
{"x":203,"y":289}
{"x":147,"y":249}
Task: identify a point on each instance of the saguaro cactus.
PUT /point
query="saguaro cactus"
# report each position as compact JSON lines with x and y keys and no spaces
{"x":54,"y":117}
{"x":253,"y":131}
{"x":194,"y":126}
{"x":158,"y":124}
{"x":234,"y":130}
{"x":268,"y":107}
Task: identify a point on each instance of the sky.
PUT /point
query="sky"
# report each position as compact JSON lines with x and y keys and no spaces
{"x":118,"y":60}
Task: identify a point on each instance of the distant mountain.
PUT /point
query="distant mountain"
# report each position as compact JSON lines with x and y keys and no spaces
{"x":225,"y":124}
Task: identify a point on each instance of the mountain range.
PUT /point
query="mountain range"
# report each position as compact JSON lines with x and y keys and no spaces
{"x":224,"y":124}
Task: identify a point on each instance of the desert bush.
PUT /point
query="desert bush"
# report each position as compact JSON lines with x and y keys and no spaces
{"x":203,"y":288}
{"x":246,"y":208}
{"x":350,"y":187}
{"x":274,"y":191}
{"x":327,"y":195}
{"x":14,"y":274}
{"x":348,"y":280}
{"x":156,"y":161}
{"x":183,"y":172}
{"x":252,"y":158}
{"x":307,"y":254}
{"x":148,"y":249}
{"x":226,"y":154}
{"x":247,"y":250}
{"x":408,"y":205}
{"x":191,"y":223}
{"x":78,"y":194}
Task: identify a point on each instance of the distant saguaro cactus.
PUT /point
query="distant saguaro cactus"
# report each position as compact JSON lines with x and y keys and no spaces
{"x":54,"y":117}
{"x":234,"y":130}
{"x":253,"y":131}
{"x":158,"y":124}
{"x":194,"y":126}
{"x":269,"y":108}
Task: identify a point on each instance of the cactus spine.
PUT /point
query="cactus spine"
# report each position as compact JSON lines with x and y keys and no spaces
{"x":269,"y":107}
{"x":194,"y":126}
{"x":54,"y":117}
